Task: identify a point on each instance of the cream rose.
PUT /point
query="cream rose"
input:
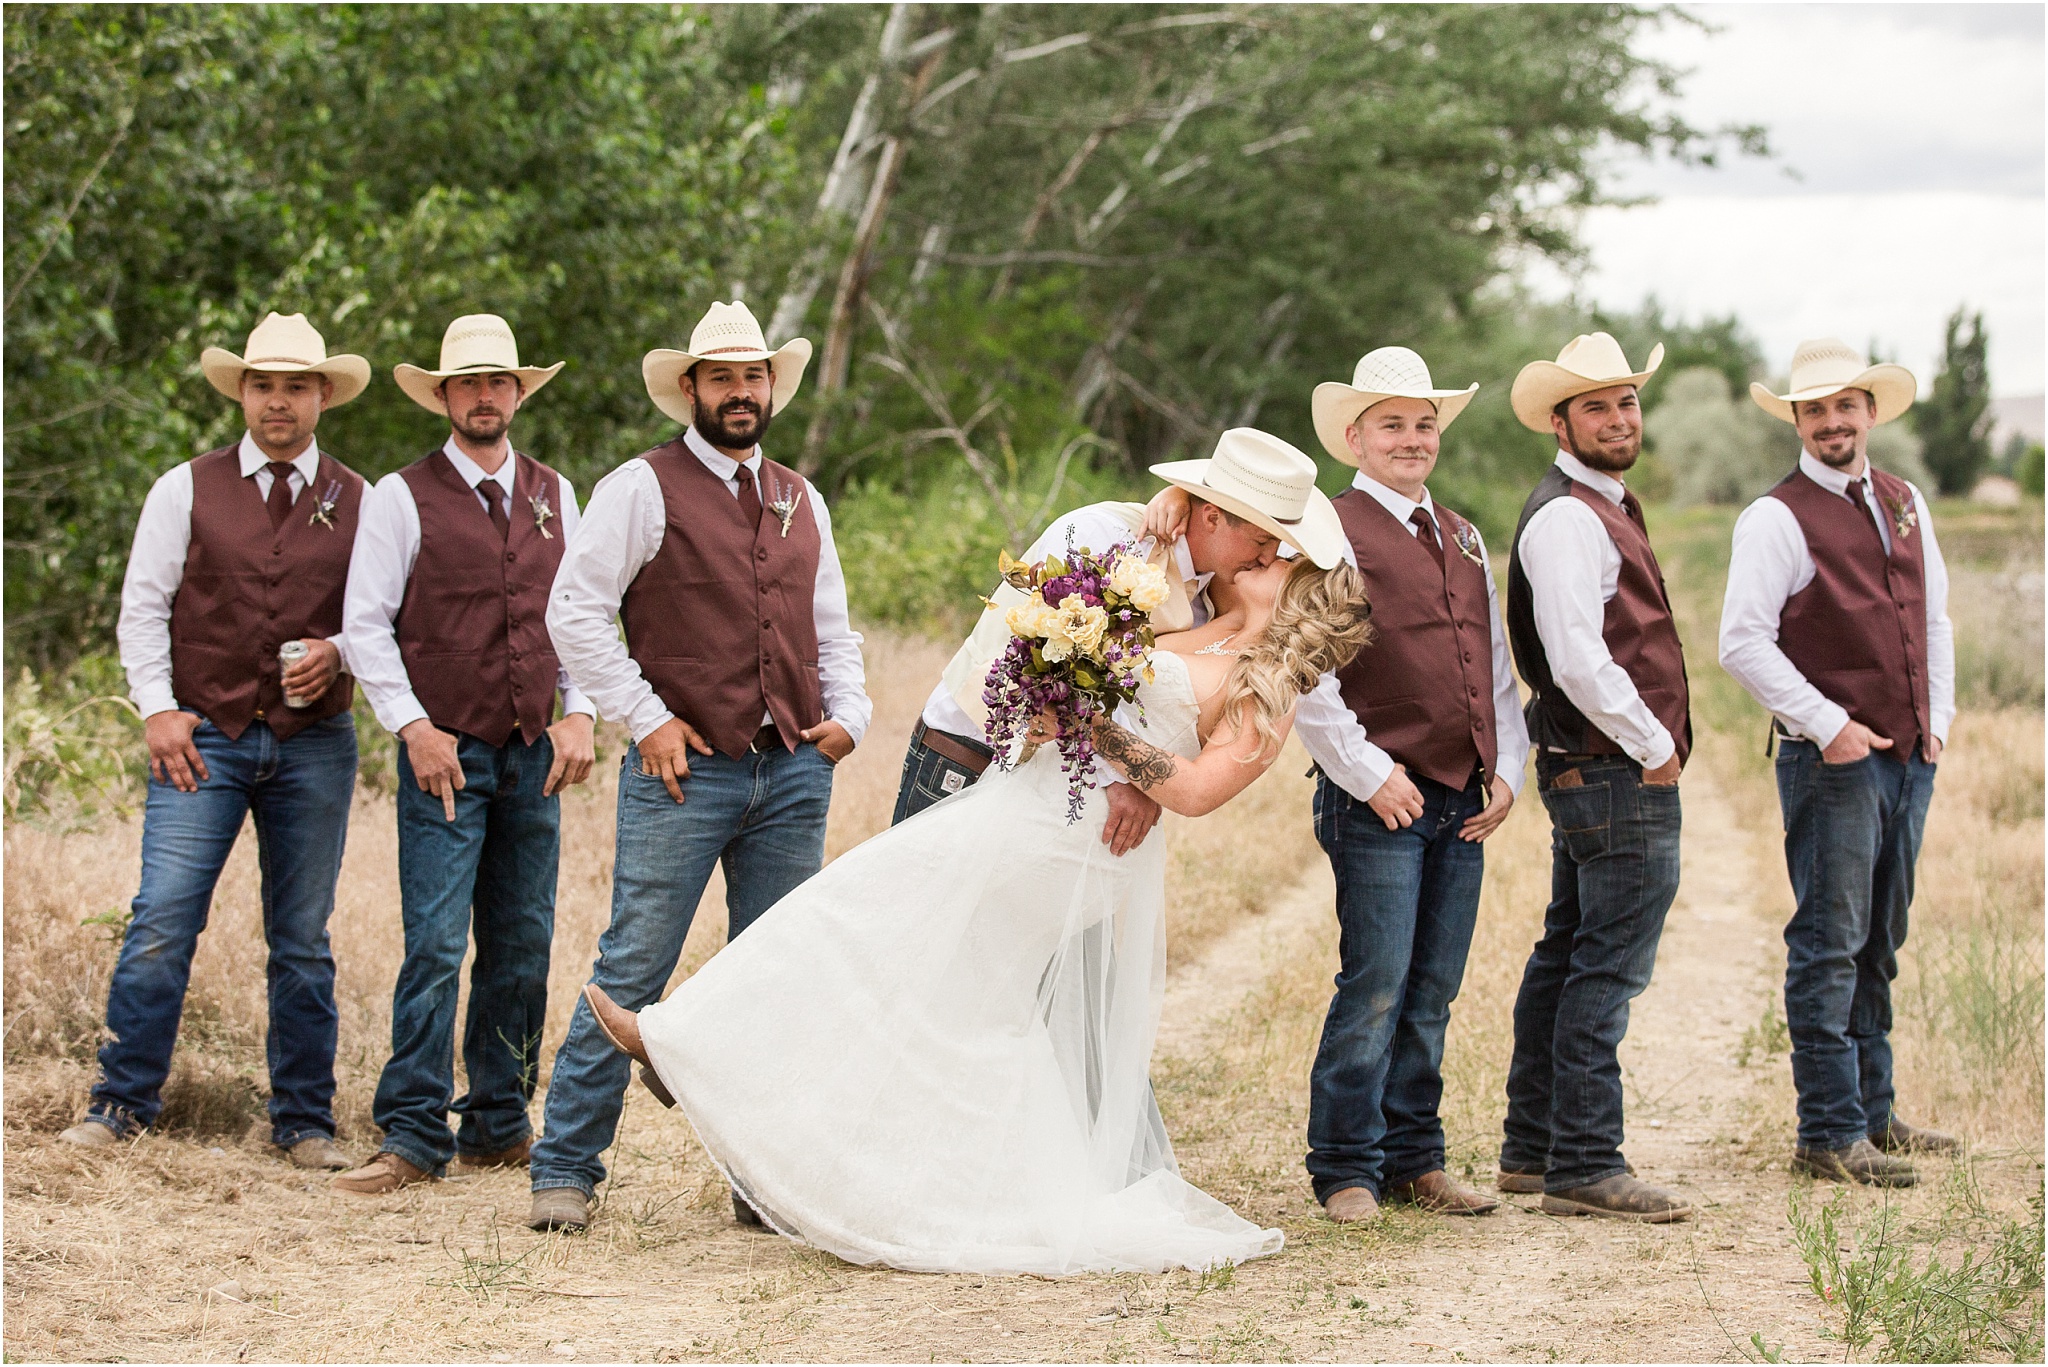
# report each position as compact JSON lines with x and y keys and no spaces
{"x":1080,"y":622}
{"x":1031,"y":619}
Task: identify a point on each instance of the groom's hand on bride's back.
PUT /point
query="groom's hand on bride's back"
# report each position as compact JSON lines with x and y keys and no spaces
{"x":665,"y":753}
{"x":1132,"y":815}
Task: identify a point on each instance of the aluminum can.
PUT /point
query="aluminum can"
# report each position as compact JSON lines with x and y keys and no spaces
{"x":289,"y":654}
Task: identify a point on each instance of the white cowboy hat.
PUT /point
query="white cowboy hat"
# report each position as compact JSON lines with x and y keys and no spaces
{"x":1591,"y":361}
{"x":1827,"y":366}
{"x":1391,"y":372}
{"x":474,"y":344}
{"x":1268,"y":482}
{"x":727,"y":332}
{"x":284,"y":344}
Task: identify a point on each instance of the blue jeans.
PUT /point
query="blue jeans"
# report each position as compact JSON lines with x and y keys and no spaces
{"x":762,"y":816}
{"x":928,"y":777}
{"x":1613,"y":874}
{"x":1852,"y":836}
{"x":298,"y":791}
{"x":1407,"y":900}
{"x":491,"y":868}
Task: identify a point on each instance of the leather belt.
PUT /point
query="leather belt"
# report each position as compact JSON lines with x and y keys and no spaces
{"x":963,"y":752}
{"x":767,"y":738}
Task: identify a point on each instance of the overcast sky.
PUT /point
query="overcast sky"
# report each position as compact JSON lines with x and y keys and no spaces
{"x":1907,"y":179}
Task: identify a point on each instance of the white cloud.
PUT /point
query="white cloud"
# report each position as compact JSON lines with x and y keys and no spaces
{"x":1917,"y":131}
{"x":1888,"y":268}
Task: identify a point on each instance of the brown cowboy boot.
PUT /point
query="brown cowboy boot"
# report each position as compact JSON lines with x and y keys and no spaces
{"x":1857,"y":1162}
{"x":1437,"y":1193}
{"x":1352,"y":1206}
{"x":1620,"y":1197}
{"x":381,"y":1176}
{"x":622,"y":1028}
{"x":1899,"y":1137}
{"x":319,"y":1152}
{"x":513,"y":1156}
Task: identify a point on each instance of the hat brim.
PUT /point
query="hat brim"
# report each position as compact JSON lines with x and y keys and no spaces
{"x":1335,"y":406}
{"x":663,"y":369}
{"x":350,"y":375}
{"x":1543,"y":385}
{"x":419,"y":384}
{"x":1891,"y":387}
{"x":1318,"y":533}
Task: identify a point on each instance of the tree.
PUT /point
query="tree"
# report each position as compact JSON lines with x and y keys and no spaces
{"x":1954,"y":422}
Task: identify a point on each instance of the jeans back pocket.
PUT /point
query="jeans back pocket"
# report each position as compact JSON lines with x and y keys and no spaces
{"x":1580,"y":817}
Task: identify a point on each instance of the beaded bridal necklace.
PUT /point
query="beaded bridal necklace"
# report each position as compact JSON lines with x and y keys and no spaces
{"x":1216,"y":647}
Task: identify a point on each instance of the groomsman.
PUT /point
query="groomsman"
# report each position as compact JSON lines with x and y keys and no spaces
{"x":239,"y":552}
{"x":1420,"y":747}
{"x":446,"y":624}
{"x":1220,"y":524}
{"x":1592,"y":632}
{"x":1836,"y":620}
{"x":736,"y":726}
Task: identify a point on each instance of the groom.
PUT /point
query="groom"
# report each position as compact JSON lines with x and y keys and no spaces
{"x":1229,"y":529}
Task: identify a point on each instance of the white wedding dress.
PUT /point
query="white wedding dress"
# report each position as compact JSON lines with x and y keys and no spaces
{"x":936,"y":1053}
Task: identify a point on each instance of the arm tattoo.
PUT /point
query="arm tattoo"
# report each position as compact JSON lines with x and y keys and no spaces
{"x":1147,"y":766}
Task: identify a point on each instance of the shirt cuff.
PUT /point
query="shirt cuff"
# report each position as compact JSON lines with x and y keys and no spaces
{"x":574,"y":704}
{"x":649,"y":717}
{"x":1660,"y":752}
{"x":1824,"y":725}
{"x":150,"y":701}
{"x":401,"y":712}
{"x":856,"y":727}
{"x":340,"y":644}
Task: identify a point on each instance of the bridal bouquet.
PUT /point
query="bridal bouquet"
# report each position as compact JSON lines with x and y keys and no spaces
{"x":1080,"y":644}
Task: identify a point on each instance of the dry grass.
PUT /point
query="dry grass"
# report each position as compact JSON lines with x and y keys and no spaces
{"x":109,"y":1255}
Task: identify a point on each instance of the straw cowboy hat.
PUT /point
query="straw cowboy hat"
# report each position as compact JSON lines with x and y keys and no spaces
{"x":1267,"y":482}
{"x":727,"y":332}
{"x":1592,"y":361}
{"x":1391,"y":372}
{"x":285,"y":344}
{"x":1827,"y":366}
{"x":474,"y":344}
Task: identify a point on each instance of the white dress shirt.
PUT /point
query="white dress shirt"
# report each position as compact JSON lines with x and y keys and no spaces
{"x":387,"y":544}
{"x":1574,"y":569}
{"x":623,"y":529}
{"x":1770,"y":562}
{"x":1334,"y":736}
{"x":156,"y":569}
{"x":1096,"y":528}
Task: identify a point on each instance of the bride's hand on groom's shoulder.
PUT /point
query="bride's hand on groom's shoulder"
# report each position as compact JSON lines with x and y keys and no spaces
{"x":1166,"y":516}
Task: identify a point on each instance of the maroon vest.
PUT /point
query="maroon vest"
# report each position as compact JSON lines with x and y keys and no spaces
{"x":1424,"y":688}
{"x":1637,"y":626}
{"x":1858,"y":632}
{"x":721,"y":621}
{"x":472,"y":627}
{"x":249,"y":588}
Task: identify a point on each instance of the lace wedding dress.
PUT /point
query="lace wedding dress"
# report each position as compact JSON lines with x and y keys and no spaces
{"x":936,"y":1053}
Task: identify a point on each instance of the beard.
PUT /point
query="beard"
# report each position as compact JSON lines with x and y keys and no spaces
{"x":1848,"y":455}
{"x":736,"y":424}
{"x":485,"y":426}
{"x":1607,"y":460}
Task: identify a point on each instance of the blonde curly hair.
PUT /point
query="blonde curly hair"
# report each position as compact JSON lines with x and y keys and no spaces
{"x":1321,"y":620}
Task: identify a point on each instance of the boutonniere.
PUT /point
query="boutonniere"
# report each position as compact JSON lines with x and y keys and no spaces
{"x":1467,"y":538}
{"x":1905,"y":517}
{"x":782,"y":503}
{"x":541,"y":513}
{"x":323,"y":510}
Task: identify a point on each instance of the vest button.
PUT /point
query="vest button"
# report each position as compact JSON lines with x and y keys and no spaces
{"x":511,"y":556}
{"x":760,"y":553}
{"x":767,"y":625}
{"x":277,"y":550}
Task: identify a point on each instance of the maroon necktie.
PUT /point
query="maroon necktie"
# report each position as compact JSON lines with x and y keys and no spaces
{"x":1855,"y":492}
{"x":1425,"y":532}
{"x":750,"y":496}
{"x":494,"y":494}
{"x":279,"y":503}
{"x":1633,"y":507}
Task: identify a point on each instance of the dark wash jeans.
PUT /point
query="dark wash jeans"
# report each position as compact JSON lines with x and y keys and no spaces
{"x":1407,"y":900}
{"x":492,"y":869}
{"x":928,"y":777}
{"x":762,"y":816}
{"x":1852,"y":837}
{"x":1613,"y":874}
{"x":298,"y":791}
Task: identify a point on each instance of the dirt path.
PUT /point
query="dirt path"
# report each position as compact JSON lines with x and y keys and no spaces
{"x":112,"y":1256}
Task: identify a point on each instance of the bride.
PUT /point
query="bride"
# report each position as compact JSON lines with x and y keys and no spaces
{"x":919,"y":1058}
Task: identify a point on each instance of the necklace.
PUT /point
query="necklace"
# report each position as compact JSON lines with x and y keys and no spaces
{"x":1216,"y":647}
